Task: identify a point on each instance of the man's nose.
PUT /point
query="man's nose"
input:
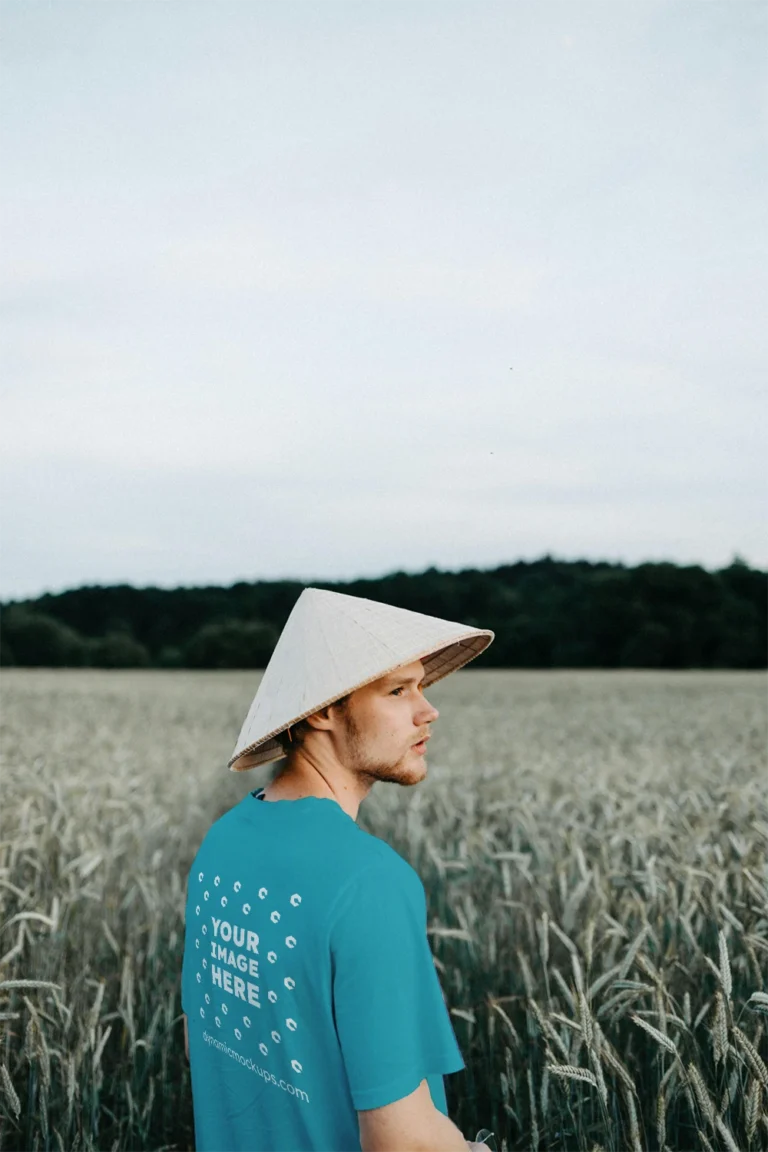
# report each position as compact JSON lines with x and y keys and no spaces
{"x":431,"y":715}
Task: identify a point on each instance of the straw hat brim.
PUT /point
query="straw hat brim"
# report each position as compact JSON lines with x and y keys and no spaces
{"x":439,"y":661}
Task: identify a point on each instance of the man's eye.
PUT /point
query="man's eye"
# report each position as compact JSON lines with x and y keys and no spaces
{"x":395,"y":691}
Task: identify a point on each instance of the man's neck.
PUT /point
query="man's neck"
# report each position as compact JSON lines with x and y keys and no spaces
{"x":296,"y":782}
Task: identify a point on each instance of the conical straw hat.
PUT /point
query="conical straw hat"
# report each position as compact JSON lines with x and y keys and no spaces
{"x":333,"y":644}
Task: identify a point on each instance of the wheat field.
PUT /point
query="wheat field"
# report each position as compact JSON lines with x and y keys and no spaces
{"x":594,"y":847}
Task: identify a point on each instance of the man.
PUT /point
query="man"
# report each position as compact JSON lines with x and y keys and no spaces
{"x":314,"y":1016}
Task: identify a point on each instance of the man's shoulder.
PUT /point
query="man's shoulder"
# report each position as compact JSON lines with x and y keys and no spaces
{"x":382,"y":862}
{"x":225,"y":829}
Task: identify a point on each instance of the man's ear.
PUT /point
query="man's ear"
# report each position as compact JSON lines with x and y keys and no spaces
{"x":321,"y":719}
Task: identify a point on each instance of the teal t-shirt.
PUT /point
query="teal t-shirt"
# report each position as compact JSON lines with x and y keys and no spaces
{"x":308,"y":982}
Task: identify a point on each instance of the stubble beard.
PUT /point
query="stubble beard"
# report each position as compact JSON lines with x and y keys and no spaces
{"x":366,"y":766}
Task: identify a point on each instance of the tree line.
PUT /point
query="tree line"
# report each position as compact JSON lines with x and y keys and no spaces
{"x":546,"y":613}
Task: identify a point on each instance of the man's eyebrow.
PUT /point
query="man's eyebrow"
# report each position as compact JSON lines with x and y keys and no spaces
{"x":395,"y":679}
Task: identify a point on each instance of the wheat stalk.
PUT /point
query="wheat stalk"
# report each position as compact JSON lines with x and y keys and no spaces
{"x":758,"y":1002}
{"x":564,"y":988}
{"x":727,"y":1135}
{"x":602,"y":1087}
{"x":578,"y":975}
{"x":725,"y":965}
{"x":562,"y":936}
{"x":532,"y":1104}
{"x":706,"y":1102}
{"x":543,"y":934}
{"x":8,"y":984}
{"x":585,"y":1019}
{"x":634,"y":1130}
{"x":9,"y":1091}
{"x":752,"y":1108}
{"x":589,"y":940}
{"x":100,"y":1048}
{"x":661,"y":1009}
{"x":526,"y":971}
{"x":659,"y":1037}
{"x":544,"y":1094}
{"x":548,"y":1030}
{"x":719,"y":1029}
{"x":753,"y":1056}
{"x":634,"y":948}
{"x":613,"y":1062}
{"x":661,"y":1112}
{"x":571,"y":1072}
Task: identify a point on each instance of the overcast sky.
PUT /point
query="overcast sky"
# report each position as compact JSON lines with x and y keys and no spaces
{"x":325,"y":290}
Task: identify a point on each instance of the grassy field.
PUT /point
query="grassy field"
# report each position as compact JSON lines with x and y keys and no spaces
{"x":594,"y":847}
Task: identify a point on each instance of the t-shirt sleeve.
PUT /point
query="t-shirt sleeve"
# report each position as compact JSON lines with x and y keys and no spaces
{"x":392,"y":1021}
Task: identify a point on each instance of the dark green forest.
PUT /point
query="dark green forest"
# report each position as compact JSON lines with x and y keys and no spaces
{"x":546,"y":613}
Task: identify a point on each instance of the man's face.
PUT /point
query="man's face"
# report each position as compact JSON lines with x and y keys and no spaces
{"x":381,"y":725}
